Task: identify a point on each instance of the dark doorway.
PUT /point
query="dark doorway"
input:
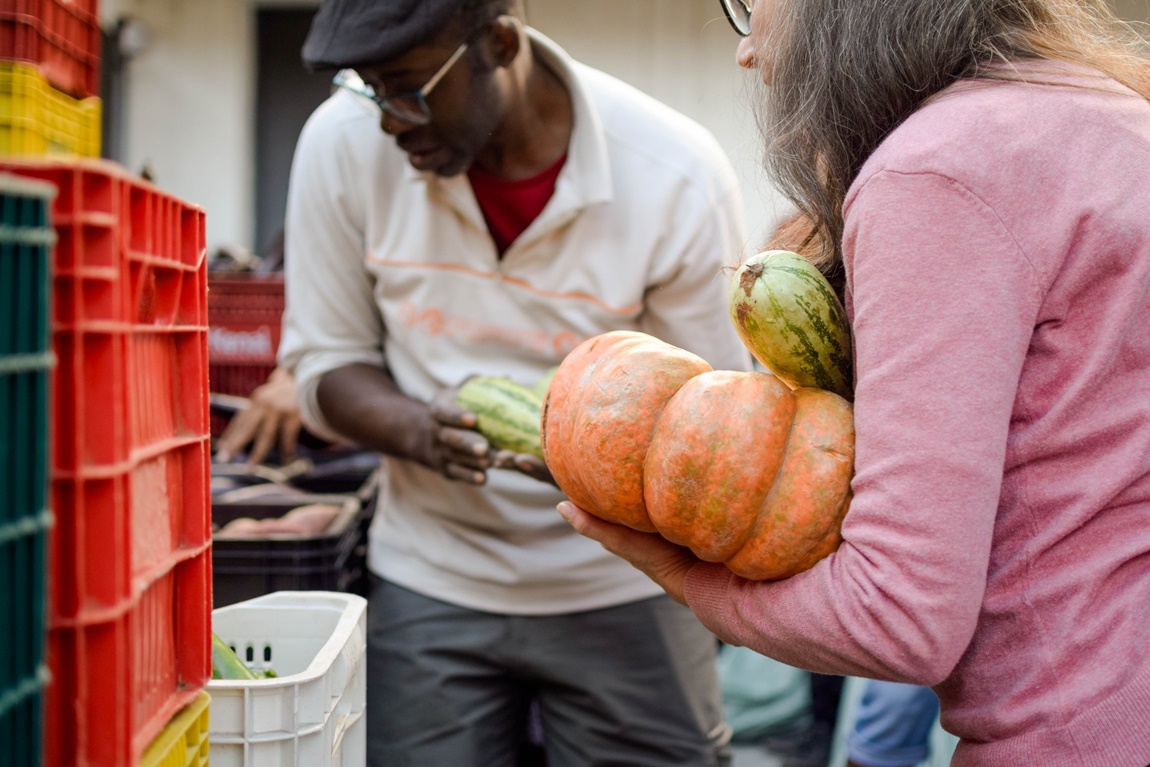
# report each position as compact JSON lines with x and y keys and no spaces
{"x":286,"y":94}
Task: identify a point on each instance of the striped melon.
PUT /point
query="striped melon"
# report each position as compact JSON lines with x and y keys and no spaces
{"x":507,"y":413}
{"x":790,"y":319}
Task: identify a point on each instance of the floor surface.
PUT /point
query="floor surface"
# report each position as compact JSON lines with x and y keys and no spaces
{"x":749,"y":756}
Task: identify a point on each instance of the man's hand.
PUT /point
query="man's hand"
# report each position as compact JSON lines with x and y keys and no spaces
{"x":454,"y":447}
{"x":525,"y":463}
{"x":272,"y":413}
{"x":660,"y":560}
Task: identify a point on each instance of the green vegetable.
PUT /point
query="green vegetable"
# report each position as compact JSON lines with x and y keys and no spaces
{"x":225,"y":663}
{"x":790,"y":319}
{"x":507,"y":413}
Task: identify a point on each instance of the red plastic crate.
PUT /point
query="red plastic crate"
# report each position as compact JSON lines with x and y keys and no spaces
{"x":59,"y":37}
{"x":244,"y":315}
{"x":129,"y":555}
{"x":116,"y":683}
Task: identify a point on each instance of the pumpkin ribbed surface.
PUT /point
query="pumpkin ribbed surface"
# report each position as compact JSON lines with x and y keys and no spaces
{"x":798,"y":522}
{"x":599,"y":414}
{"x":714,"y":456}
{"x":737,"y":466}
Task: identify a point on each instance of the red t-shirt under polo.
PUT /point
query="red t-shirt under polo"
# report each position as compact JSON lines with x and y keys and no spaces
{"x":509,"y":206}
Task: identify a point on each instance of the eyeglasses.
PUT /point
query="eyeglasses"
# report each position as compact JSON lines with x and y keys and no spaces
{"x":410,"y":108}
{"x":739,"y":14}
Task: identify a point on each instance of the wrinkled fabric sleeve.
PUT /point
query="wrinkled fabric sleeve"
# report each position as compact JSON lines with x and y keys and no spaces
{"x":331,"y":319}
{"x":944,"y":303}
{"x":688,"y":306}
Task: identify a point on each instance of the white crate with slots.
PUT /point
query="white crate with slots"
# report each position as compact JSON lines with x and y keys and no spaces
{"x":311,"y":714}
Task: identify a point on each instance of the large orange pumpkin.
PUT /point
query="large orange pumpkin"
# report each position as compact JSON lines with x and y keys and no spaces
{"x":736,"y":466}
{"x":746,"y":471}
{"x":598,"y":416}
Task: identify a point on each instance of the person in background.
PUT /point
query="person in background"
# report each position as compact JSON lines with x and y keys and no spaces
{"x":978,"y":173}
{"x":812,"y":745}
{"x":892,"y":725}
{"x":270,"y":420}
{"x":473,"y":201}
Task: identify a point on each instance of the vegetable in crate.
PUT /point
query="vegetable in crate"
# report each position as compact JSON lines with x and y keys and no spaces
{"x":507,"y":413}
{"x":790,"y":319}
{"x":226,"y":664}
{"x":307,"y":520}
{"x":736,"y":466}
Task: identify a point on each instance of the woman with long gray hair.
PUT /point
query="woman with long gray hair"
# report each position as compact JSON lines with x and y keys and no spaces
{"x":978,"y":172}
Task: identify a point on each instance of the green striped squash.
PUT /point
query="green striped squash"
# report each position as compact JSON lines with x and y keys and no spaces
{"x":790,"y":319}
{"x":507,"y":413}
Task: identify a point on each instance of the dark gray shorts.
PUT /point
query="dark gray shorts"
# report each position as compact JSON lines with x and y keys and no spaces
{"x":633,"y":685}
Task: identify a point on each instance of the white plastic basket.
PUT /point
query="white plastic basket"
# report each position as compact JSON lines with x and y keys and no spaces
{"x":312,"y":713}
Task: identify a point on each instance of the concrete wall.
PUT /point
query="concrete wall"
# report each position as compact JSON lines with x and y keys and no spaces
{"x":189,"y":114}
{"x":1133,"y":10}
{"x":683,"y":53}
{"x":189,"y":110}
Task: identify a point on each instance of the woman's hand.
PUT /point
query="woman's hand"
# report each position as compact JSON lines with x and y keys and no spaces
{"x":662,"y":561}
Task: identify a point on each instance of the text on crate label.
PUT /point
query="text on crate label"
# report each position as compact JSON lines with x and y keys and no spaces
{"x":225,"y":344}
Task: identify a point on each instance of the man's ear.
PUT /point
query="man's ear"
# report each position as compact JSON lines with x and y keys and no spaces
{"x":505,"y":39}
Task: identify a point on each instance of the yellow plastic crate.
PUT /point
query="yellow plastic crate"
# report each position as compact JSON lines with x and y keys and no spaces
{"x":36,"y":120}
{"x":184,"y":742}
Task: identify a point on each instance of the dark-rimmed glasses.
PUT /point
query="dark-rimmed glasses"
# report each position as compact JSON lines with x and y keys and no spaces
{"x":739,"y":14}
{"x":410,"y":108}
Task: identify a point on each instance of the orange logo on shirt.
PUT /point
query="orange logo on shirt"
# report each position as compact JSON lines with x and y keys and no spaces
{"x":435,"y":322}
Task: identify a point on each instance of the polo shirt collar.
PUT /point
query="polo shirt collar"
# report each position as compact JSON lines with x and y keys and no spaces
{"x":586,"y":176}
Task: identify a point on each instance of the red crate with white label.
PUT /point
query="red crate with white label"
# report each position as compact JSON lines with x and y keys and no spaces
{"x":244,"y":314}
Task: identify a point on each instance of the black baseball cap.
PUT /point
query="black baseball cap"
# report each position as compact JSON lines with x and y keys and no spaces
{"x":351,"y":33}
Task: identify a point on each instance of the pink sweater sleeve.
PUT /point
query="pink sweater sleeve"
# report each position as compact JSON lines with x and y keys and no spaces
{"x":943,"y":304}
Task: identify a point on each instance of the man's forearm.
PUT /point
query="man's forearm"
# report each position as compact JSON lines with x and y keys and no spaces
{"x":364,"y":405}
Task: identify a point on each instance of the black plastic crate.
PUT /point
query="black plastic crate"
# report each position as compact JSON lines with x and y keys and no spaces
{"x":244,"y":568}
{"x":26,"y":242}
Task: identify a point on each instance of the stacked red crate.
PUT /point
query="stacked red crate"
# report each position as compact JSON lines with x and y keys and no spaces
{"x":244,"y":313}
{"x":61,"y":38}
{"x":129,"y":557}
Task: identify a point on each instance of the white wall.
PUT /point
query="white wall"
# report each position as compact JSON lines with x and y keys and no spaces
{"x":1133,"y":10}
{"x":189,"y":115}
{"x":683,"y":53}
{"x":189,"y":110}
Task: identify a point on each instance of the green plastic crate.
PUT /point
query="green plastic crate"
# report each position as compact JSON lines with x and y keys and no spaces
{"x":26,"y":241}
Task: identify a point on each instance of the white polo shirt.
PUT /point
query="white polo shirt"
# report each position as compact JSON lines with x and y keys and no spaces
{"x":387,"y":265}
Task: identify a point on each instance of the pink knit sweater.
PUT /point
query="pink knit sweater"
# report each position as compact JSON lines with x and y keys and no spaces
{"x":997,"y":250}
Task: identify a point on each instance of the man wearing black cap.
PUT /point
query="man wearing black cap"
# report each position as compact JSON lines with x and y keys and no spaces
{"x":472,"y":201}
